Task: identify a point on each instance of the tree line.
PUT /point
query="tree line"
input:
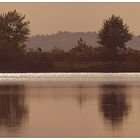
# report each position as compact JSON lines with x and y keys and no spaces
{"x":111,"y":56}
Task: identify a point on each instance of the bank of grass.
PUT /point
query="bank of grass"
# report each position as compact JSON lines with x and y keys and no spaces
{"x":97,"y":66}
{"x":67,"y":66}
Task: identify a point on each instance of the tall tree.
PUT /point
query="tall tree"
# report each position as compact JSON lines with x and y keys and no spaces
{"x":14,"y":31}
{"x":114,"y":33}
{"x":13,"y":28}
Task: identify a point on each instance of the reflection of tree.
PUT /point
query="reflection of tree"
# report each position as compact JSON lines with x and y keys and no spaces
{"x":81,"y":97}
{"x":113,"y":103}
{"x":12,"y":105}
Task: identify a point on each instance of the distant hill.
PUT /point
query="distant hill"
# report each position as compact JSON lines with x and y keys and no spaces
{"x":66,"y":40}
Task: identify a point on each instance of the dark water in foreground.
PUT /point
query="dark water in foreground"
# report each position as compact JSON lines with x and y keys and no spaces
{"x":70,"y":108}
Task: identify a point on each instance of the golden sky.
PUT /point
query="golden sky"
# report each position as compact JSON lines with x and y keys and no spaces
{"x":48,"y":18}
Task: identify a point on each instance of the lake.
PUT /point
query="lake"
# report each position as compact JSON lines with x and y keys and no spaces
{"x":70,"y":105}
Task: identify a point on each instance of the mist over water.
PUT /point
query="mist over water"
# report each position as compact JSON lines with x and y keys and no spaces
{"x":70,"y":105}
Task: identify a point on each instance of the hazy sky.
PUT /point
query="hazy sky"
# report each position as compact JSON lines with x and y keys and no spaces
{"x":48,"y":18}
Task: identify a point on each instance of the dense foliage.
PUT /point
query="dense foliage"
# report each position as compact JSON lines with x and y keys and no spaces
{"x":15,"y":56}
{"x":13,"y":28}
{"x":114,"y":33}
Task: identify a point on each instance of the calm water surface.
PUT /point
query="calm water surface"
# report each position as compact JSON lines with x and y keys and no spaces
{"x":70,"y":105}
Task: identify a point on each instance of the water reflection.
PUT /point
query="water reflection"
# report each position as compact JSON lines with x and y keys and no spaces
{"x":114,"y":104}
{"x":81,"y":97}
{"x":12,"y":105}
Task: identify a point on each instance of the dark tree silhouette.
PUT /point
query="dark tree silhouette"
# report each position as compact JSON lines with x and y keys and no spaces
{"x":81,"y":47}
{"x":114,"y":33}
{"x":81,"y":51}
{"x":14,"y":31}
{"x":13,"y":28}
